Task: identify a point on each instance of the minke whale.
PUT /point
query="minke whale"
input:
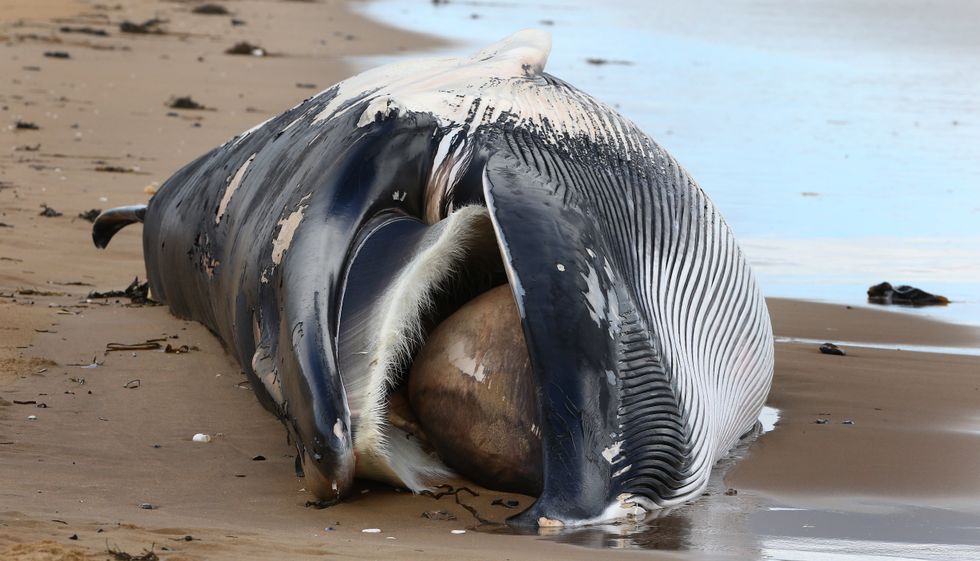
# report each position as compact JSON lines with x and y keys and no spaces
{"x":466,"y":265}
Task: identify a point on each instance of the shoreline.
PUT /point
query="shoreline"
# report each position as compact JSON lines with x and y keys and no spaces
{"x":87,"y":462}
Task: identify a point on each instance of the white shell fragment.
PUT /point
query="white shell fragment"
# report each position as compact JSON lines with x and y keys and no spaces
{"x":371,"y":531}
{"x":201,"y":437}
{"x":32,"y":417}
{"x":457,"y":531}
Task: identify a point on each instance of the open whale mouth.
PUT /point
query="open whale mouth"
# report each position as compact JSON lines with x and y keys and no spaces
{"x":433,"y":359}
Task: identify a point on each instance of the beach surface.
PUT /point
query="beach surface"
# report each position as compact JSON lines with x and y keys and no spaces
{"x":90,"y":438}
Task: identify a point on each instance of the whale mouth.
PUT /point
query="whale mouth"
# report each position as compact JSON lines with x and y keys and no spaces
{"x":426,"y":275}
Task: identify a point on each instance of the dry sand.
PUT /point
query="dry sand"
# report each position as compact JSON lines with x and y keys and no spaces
{"x":118,"y":434}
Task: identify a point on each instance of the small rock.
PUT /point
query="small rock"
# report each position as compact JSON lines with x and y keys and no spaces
{"x":201,"y":437}
{"x":832,"y":349}
{"x":731,"y":492}
{"x":73,"y":537}
{"x":259,"y":458}
{"x":32,"y":417}
{"x":847,"y":422}
{"x":821,"y":421}
{"x":147,"y":506}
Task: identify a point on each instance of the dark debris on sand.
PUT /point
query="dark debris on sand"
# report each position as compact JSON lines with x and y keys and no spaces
{"x":49,"y":212}
{"x":57,"y":54}
{"x":150,"y":26}
{"x":210,"y":10}
{"x":90,"y":215}
{"x":246,"y":48}
{"x":84,"y":30}
{"x":25,"y":126}
{"x":885,"y":293}
{"x":138,"y":293}
{"x":184,"y":102}
{"x":113,"y":169}
{"x":120,"y":555}
{"x":438,"y":515}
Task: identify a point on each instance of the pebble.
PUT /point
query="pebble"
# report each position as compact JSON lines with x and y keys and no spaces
{"x":821,"y":421}
{"x":457,"y":531}
{"x":201,"y":437}
{"x":146,"y":506}
{"x":847,"y":422}
{"x":32,"y":417}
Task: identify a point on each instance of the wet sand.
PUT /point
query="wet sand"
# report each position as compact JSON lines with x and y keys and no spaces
{"x":117,"y":434}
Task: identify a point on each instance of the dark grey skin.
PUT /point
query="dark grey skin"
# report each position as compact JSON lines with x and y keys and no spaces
{"x":649,"y":343}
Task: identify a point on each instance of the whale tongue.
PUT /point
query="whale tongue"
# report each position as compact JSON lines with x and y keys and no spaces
{"x":474,"y":372}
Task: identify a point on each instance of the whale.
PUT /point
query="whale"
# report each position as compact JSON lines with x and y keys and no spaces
{"x":324,"y":247}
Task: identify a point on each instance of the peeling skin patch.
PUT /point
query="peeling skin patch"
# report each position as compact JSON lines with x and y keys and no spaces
{"x":290,"y":125}
{"x":380,"y":105}
{"x":561,"y":268}
{"x":622,"y":471}
{"x":612,"y":451}
{"x":287,"y":229}
{"x":236,"y":180}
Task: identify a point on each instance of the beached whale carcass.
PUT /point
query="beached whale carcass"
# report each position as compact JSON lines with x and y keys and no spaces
{"x":324,"y":245}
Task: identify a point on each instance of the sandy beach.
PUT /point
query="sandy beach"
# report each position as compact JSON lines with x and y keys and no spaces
{"x":90,"y":438}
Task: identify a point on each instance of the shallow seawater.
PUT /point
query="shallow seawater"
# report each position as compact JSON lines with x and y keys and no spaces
{"x":839,"y":139}
{"x":742,"y":525}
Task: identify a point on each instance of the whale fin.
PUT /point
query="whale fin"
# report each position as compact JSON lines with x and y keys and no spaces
{"x":113,"y":220}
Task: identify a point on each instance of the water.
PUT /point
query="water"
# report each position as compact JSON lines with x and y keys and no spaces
{"x":744,"y":525}
{"x":839,"y":139}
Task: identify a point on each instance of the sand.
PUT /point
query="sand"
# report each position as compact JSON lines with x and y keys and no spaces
{"x":116,"y":428}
